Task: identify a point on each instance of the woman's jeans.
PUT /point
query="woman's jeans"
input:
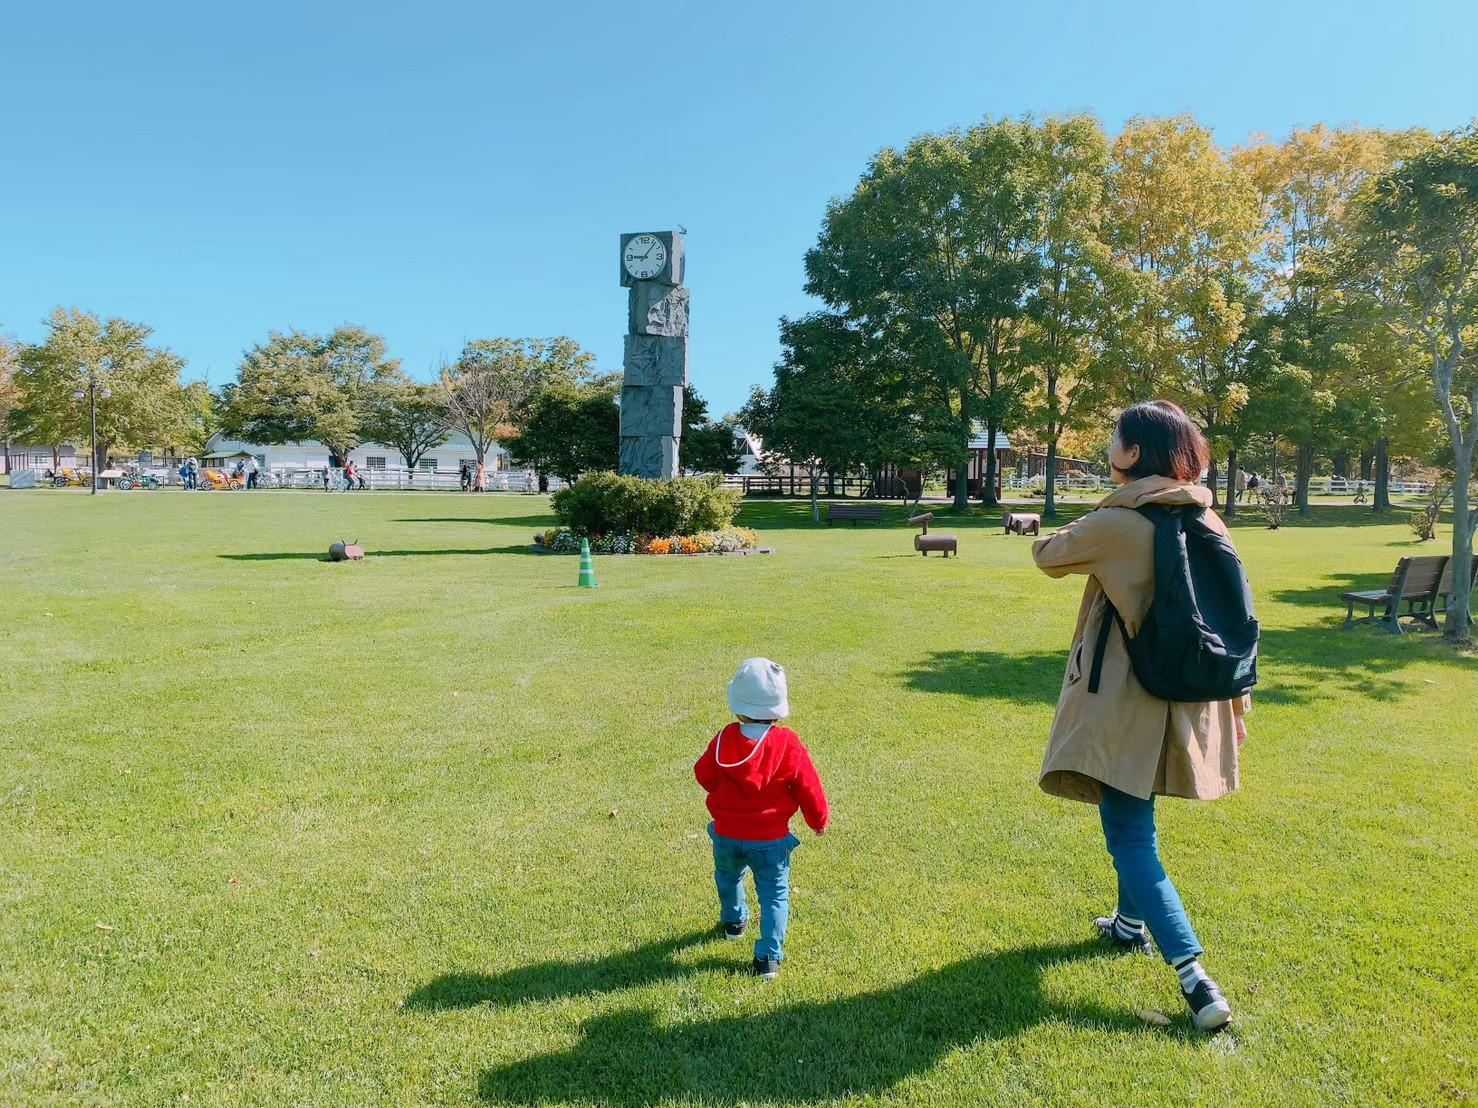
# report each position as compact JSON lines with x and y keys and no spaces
{"x":1145,"y":892}
{"x":769,"y":861}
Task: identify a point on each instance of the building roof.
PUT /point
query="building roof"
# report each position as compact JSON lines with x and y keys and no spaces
{"x":977,"y":438}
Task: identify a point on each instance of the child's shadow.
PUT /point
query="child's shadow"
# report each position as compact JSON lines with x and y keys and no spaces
{"x":551,"y":980}
{"x":860,"y":1045}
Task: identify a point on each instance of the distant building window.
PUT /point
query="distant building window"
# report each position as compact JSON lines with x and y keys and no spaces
{"x":428,"y":464}
{"x":373,"y":462}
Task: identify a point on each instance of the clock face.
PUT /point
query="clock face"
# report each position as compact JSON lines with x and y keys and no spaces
{"x":644,"y":256}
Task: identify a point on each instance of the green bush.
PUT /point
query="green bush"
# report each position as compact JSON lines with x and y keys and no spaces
{"x":613,"y":503}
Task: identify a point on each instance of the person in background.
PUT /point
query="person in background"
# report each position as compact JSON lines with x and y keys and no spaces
{"x":1241,"y":489}
{"x":464,"y":475}
{"x":253,"y":468}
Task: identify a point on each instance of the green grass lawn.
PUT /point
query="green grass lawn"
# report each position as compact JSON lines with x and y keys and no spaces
{"x":423,"y":830}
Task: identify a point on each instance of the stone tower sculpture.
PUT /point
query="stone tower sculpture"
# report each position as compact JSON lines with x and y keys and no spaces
{"x":656,"y":360}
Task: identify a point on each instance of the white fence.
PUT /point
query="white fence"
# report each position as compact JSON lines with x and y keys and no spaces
{"x":1318,"y":486}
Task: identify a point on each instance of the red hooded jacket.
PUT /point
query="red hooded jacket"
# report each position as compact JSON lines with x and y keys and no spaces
{"x":755,"y":787}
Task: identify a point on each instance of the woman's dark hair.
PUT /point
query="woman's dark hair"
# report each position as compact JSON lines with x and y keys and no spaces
{"x":1170,"y":445}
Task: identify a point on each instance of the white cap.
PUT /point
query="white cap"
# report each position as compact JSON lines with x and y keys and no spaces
{"x":757,"y":690}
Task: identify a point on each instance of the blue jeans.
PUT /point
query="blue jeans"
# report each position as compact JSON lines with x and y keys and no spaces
{"x":769,"y":861}
{"x":1145,"y":892}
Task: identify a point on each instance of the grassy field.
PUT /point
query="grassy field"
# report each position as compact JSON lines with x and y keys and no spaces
{"x":423,"y":830}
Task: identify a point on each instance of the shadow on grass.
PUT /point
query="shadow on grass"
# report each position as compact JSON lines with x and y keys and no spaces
{"x":857,"y":1046}
{"x":552,"y":980}
{"x":487,"y":521}
{"x":1302,"y":665}
{"x":990,"y":675}
{"x":779,"y":515}
{"x":1320,"y":515}
{"x":305,"y":556}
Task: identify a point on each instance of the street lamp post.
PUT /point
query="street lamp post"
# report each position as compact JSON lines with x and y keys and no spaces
{"x":92,"y":401}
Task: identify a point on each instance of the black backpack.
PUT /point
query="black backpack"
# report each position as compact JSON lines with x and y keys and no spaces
{"x":1198,"y":640}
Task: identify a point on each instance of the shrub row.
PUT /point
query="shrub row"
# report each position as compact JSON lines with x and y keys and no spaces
{"x":618,"y":504}
{"x":724,"y":541}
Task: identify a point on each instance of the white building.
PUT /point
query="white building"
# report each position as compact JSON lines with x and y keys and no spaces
{"x":371,"y":457}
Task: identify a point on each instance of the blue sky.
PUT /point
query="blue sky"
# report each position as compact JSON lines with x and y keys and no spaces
{"x":444,"y":171}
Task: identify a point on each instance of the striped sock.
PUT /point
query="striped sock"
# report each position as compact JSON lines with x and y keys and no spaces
{"x":1190,"y":972}
{"x":1126,"y":928}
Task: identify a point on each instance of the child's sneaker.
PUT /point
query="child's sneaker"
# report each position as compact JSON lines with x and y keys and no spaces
{"x":767,"y":968}
{"x":734,"y":930}
{"x":1110,"y":929}
{"x":1209,"y":1009}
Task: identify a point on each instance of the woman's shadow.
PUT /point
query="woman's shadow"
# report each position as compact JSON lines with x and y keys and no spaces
{"x":812,"y":1050}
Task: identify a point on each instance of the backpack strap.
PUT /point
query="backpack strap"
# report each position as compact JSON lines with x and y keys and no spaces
{"x":1110,"y":614}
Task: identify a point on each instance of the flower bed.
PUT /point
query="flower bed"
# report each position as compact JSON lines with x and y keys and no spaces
{"x":729,"y":540}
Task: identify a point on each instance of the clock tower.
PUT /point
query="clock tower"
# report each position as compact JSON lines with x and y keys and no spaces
{"x":656,"y":357}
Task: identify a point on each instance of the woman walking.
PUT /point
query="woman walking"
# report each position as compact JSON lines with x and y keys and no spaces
{"x":1118,"y":747}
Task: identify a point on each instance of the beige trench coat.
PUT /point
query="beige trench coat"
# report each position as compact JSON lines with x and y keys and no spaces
{"x":1121,"y":735}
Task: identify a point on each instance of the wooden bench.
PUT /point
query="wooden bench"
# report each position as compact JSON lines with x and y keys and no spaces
{"x":1444,"y":587}
{"x":925,"y":542}
{"x":873,"y":513}
{"x":1022,"y":522}
{"x":1415,"y":580}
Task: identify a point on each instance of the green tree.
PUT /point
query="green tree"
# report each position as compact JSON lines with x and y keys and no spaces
{"x":1306,"y":182}
{"x":1062,"y":341}
{"x":829,"y":410}
{"x":300,"y":387}
{"x":707,"y":445}
{"x":1183,"y":223}
{"x":1412,"y":252}
{"x":201,"y":418}
{"x":145,"y":405}
{"x":10,"y":389}
{"x":408,"y":416}
{"x":570,"y":428}
{"x":932,"y":259}
{"x":488,"y":389}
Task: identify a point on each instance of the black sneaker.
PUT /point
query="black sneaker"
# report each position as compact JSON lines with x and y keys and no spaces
{"x":1138,"y":945}
{"x":734,"y":930}
{"x":766,"y":967}
{"x":1209,"y":1009}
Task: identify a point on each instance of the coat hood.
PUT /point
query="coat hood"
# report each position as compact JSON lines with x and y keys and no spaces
{"x":1157,"y":490}
{"x":750,"y":765}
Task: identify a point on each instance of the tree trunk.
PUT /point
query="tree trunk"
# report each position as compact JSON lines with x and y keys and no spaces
{"x":815,"y":507}
{"x":1341,"y":463}
{"x":1049,"y":500}
{"x":1381,"y":501}
{"x":1365,"y":459}
{"x":1459,"y":623}
{"x":988,"y":473}
{"x":1211,"y":476}
{"x":1304,"y":470}
{"x":1231,"y":511}
{"x":962,"y":485}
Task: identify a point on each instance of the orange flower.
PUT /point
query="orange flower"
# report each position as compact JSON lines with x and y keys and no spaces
{"x":660,"y":546}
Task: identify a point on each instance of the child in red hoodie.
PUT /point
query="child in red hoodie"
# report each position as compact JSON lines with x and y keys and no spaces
{"x":757,"y":774}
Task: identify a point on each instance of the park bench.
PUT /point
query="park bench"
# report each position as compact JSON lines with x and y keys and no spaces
{"x":873,"y":513}
{"x":1022,"y":522}
{"x":1443,"y":588}
{"x":1415,"y":580}
{"x":925,"y":542}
